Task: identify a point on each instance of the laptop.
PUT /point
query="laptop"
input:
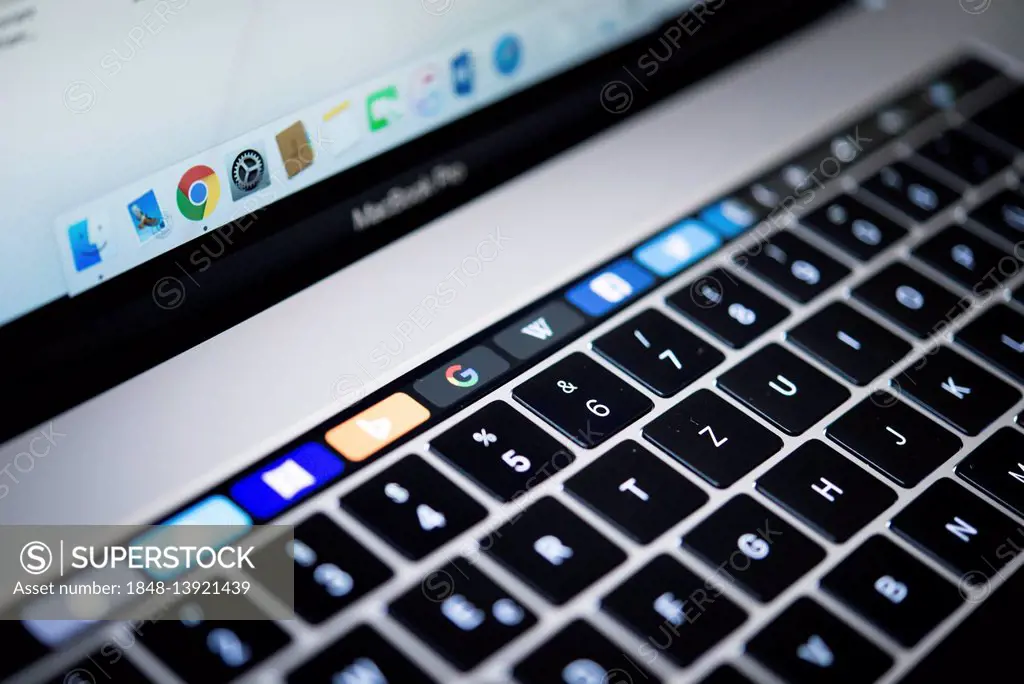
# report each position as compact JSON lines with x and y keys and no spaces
{"x":603,"y":342}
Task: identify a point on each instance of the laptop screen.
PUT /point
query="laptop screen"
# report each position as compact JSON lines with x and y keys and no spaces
{"x":174,"y":167}
{"x":165,"y":120}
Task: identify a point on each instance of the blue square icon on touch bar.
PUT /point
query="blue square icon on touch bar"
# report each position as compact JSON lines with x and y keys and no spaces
{"x":677,"y":248}
{"x":730,"y":217}
{"x":604,"y":291}
{"x":295,"y":475}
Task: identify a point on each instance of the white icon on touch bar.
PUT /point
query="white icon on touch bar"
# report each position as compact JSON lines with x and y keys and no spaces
{"x":678,"y":247}
{"x":378,"y":428}
{"x":611,"y":287}
{"x":288,"y":479}
{"x":539,"y":329}
{"x":737,"y":213}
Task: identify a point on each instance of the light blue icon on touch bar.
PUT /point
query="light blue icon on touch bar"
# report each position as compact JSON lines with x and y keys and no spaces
{"x":223,"y":522}
{"x":677,"y":248}
{"x":730,"y":217}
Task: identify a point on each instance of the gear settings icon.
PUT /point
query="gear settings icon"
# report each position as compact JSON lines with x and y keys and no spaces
{"x":248,"y":173}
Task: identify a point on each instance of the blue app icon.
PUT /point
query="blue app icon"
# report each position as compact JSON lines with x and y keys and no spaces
{"x":614,"y":285}
{"x":730,"y":217}
{"x":677,"y":248}
{"x":86,"y":249}
{"x":463,"y":73}
{"x":220,"y":521}
{"x":289,"y":478}
{"x":508,"y":54}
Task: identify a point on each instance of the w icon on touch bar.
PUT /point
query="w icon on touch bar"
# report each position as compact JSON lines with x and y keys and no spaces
{"x":538,"y":328}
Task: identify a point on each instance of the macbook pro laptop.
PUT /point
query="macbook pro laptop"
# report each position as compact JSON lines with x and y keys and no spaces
{"x":603,"y":342}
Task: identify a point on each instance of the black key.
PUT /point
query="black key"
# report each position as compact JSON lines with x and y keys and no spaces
{"x":362,"y":655}
{"x":502,"y":451}
{"x":1003,"y":118}
{"x":21,"y":649}
{"x":332,"y":569}
{"x":553,"y":550}
{"x":658,"y":353}
{"x":998,"y":337}
{"x":967,"y":259}
{"x":979,"y":648}
{"x":956,"y":390}
{"x":106,"y":665}
{"x":807,"y":644}
{"x":1003,"y":214}
{"x":793,"y":266}
{"x":911,"y":191}
{"x":541,"y":330}
{"x":826,"y":490}
{"x":674,"y":610}
{"x":413,"y":507}
{"x":725,"y":674}
{"x":585,"y":402}
{"x":959,"y":530}
{"x":965,"y":157}
{"x":581,"y":655}
{"x":728,"y":308}
{"x":787,"y":391}
{"x":201,"y":650}
{"x":858,"y":229}
{"x":636,"y":491}
{"x":889,"y":588}
{"x":909,"y":299}
{"x":852,"y":345}
{"x":462,"y":614}
{"x":772,"y":554}
{"x":712,"y":438}
{"x":893,"y":438}
{"x":997,"y":468}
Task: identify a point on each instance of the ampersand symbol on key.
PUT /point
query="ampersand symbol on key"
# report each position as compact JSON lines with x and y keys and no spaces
{"x":566,"y":387}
